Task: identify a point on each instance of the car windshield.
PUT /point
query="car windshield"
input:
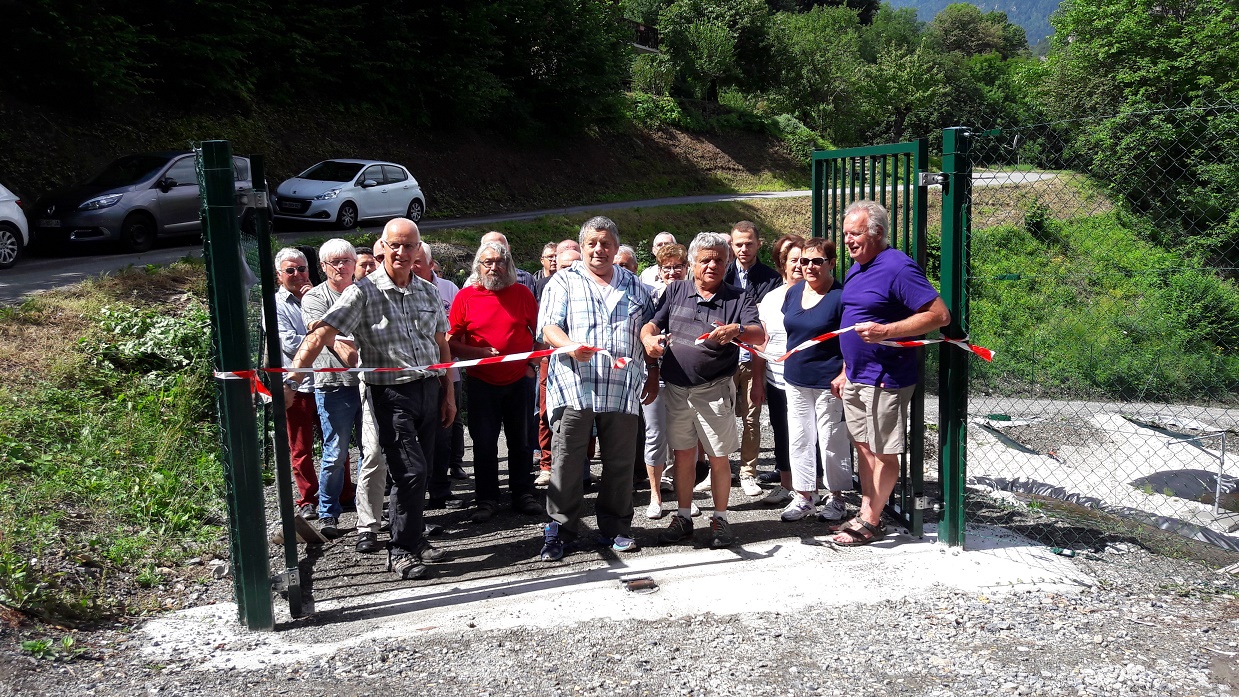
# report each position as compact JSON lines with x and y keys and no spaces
{"x":130,"y":169}
{"x":332,"y":171}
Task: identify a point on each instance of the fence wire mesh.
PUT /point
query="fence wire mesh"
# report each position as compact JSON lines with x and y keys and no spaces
{"x":1103,"y":272}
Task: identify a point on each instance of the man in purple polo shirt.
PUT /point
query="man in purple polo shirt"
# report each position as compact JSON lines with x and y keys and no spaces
{"x":887,"y":297}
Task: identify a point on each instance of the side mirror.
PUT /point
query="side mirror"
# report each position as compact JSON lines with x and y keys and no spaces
{"x":166,"y":184}
{"x":369,"y":183}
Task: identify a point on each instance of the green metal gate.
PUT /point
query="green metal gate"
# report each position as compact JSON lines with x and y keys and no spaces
{"x":894,"y":176}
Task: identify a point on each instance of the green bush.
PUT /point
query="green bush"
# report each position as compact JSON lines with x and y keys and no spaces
{"x":652,"y":73}
{"x":799,"y":139}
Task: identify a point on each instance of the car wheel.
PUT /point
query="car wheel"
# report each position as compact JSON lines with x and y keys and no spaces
{"x":416,"y":209}
{"x":347,"y":217}
{"x":10,"y":246}
{"x":137,"y":234}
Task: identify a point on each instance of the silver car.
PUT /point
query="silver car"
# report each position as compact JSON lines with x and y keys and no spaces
{"x":14,"y":234}
{"x":134,"y":200}
{"x":348,"y":191}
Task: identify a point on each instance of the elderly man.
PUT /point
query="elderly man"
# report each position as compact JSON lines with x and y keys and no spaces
{"x":627,"y":258}
{"x":887,"y":297}
{"x":293,"y":273}
{"x":336,"y":394}
{"x":442,"y":461}
{"x":700,"y":390}
{"x":523,"y":277}
{"x":757,"y":279}
{"x":397,"y":321}
{"x":598,"y":304}
{"x":548,"y":262}
{"x":495,"y":316}
{"x":650,"y":277}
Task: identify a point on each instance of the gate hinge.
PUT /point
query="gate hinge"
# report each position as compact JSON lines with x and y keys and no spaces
{"x":930,"y":178}
{"x":261,"y":200}
{"x":920,"y":503}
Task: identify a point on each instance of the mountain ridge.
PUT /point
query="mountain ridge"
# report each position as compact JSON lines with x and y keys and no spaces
{"x":1032,"y":15}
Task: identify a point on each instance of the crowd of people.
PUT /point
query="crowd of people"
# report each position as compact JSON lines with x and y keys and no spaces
{"x":653,"y":375}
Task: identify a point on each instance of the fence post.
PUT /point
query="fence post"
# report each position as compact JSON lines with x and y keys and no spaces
{"x":953,"y":372}
{"x":237,"y":418}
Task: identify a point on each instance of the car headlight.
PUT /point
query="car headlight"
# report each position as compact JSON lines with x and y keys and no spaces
{"x":327,"y":195}
{"x":101,"y":202}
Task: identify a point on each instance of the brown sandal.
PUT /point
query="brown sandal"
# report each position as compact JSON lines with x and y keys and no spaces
{"x":861,"y":533}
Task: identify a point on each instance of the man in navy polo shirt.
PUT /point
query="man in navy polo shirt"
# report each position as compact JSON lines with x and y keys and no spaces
{"x":887,"y":297}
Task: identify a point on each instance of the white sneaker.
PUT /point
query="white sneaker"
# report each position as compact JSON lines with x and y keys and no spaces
{"x":543,"y":478}
{"x":750,"y":486}
{"x":693,"y":510}
{"x":704,"y":485}
{"x":800,"y":507}
{"x":834,"y":510}
{"x":654,"y":511}
{"x":777,"y":497}
{"x":666,"y":484}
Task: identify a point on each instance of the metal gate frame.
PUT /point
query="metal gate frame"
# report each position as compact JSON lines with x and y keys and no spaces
{"x":896,"y":177}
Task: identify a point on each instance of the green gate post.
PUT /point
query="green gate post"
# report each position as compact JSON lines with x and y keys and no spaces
{"x":237,"y":417}
{"x":953,"y":373}
{"x":275,"y":356}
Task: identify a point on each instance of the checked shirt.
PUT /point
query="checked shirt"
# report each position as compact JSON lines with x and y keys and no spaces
{"x":609,"y":320}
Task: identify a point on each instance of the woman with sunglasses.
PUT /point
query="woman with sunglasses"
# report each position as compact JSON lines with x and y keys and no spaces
{"x":786,"y":251}
{"x":672,"y":260}
{"x":815,"y":416}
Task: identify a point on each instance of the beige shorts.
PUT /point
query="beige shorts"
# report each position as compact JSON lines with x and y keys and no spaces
{"x":877,"y":416}
{"x":705,"y":413}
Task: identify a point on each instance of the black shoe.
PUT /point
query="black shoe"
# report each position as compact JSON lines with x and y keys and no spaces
{"x":485,"y":511}
{"x":721,"y":535}
{"x":429,"y":554}
{"x":458,"y":473}
{"x":452,"y":501}
{"x":385,"y":524}
{"x":407,"y":566}
{"x":368,"y":543}
{"x":328,"y":526}
{"x":528,"y":504}
{"x":433,"y":530}
{"x":769,"y":477}
{"x":680,"y":529}
{"x":308,"y":511}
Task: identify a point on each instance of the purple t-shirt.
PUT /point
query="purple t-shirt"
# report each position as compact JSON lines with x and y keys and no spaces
{"x":889,"y":288}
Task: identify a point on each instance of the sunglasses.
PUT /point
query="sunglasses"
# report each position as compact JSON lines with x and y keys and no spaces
{"x":812,"y":261}
{"x":291,"y":270}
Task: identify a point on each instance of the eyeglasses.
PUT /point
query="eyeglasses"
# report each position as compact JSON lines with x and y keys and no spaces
{"x":812,"y":261}
{"x":340,"y":262}
{"x":673,"y":269}
{"x":548,"y":256}
{"x":291,"y":270}
{"x":398,"y":246}
{"x":491,"y":262}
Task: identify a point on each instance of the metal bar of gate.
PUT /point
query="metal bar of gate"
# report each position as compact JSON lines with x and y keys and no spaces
{"x":237,"y":416}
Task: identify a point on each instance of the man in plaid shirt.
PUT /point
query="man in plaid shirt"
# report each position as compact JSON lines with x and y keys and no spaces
{"x":595,"y":303}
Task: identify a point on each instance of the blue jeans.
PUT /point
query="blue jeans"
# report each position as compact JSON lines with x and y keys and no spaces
{"x":338,"y":412}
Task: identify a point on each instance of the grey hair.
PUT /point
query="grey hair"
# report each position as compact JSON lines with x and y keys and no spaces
{"x":287,"y":253}
{"x":707,"y":240}
{"x":599,"y":222}
{"x":336,"y":247}
{"x":426,"y":250}
{"x":664,"y":234}
{"x":625,"y":249}
{"x":505,"y":255}
{"x":876,"y":218}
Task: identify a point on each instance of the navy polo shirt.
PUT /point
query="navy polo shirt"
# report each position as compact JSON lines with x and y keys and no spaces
{"x":688,"y":315}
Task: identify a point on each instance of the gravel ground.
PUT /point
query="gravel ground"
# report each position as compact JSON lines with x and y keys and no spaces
{"x":1142,"y":625}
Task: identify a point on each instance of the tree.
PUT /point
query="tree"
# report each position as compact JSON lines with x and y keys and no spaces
{"x":745,"y":22}
{"x":890,"y":28}
{"x":818,"y":54}
{"x":901,"y":83}
{"x":963,"y":29}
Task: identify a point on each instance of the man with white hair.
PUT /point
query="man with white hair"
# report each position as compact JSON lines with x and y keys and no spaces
{"x":700,"y":393}
{"x":650,"y":276}
{"x":444,"y":459}
{"x":594,"y":303}
{"x":523,"y":277}
{"x":627,"y":258}
{"x":336,"y":394}
{"x":292,"y":271}
{"x":492,"y":316}
{"x":397,"y":321}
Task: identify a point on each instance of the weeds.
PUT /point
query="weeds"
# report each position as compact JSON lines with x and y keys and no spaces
{"x":45,"y":649}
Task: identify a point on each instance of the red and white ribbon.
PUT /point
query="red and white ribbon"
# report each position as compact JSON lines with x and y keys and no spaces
{"x":987,"y":354}
{"x":981,"y":351}
{"x":259,"y":388}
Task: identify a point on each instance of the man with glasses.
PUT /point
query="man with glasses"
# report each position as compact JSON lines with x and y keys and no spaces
{"x":756,"y":279}
{"x":336,"y":394}
{"x":397,"y":321}
{"x":300,"y":413}
{"x":700,"y":391}
{"x":548,"y":262}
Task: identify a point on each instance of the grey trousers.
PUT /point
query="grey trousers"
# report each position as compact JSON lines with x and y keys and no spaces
{"x":565,"y":500}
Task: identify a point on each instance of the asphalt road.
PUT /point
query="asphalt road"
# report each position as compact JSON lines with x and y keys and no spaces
{"x":37,"y":273}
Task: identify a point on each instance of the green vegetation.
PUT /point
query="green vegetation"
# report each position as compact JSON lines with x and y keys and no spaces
{"x":109,"y":455}
{"x":45,"y":649}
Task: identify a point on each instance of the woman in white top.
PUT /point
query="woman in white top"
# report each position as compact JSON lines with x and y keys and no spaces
{"x":787,"y":251}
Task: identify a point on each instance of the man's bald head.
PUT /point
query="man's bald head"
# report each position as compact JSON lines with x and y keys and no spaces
{"x":568,"y":244}
{"x":566,"y":257}
{"x":495,"y":236}
{"x":402,"y":227}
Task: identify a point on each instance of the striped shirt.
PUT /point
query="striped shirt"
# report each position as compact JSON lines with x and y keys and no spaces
{"x":394,"y":327}
{"x":609,"y":318}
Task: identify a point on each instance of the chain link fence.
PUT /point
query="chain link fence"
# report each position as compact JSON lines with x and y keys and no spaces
{"x":1103,"y":272}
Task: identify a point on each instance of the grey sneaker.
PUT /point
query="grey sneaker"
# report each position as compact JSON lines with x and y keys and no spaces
{"x":308,"y":511}
{"x":552,"y":546}
{"x":428,"y":553}
{"x":832,"y":511}
{"x":720,"y":533}
{"x":329,"y":526}
{"x":407,"y":566}
{"x":680,"y":529}
{"x":800,"y":507}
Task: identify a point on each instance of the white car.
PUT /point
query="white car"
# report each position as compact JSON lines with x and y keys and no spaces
{"x":14,"y":232}
{"x":348,"y":191}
